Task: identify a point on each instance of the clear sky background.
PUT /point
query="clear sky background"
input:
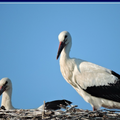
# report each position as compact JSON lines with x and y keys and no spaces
{"x":29,"y":45}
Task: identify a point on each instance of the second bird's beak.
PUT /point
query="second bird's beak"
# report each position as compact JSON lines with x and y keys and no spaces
{"x":3,"y":88}
{"x":61,"y":46}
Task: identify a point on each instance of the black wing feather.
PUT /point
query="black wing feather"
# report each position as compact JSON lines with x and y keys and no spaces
{"x":109,"y":92}
{"x":54,"y":105}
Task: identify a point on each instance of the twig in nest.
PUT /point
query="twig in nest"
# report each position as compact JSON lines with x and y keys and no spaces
{"x":90,"y":113}
{"x":111,"y":110}
{"x":72,"y":106}
{"x":43,"y":112}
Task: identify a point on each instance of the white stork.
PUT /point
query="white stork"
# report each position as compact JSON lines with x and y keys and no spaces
{"x":6,"y":89}
{"x":98,"y":86}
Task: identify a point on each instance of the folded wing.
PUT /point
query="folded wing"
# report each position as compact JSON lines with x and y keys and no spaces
{"x":99,"y":82}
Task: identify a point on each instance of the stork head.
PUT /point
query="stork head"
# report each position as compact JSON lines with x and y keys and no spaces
{"x":5,"y":84}
{"x":64,"y":39}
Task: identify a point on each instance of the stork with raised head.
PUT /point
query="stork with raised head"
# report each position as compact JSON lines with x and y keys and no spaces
{"x":6,"y":103}
{"x":97,"y":85}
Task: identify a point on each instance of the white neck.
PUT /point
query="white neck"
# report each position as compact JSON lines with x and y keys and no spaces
{"x":6,"y":99}
{"x":65,"y":52}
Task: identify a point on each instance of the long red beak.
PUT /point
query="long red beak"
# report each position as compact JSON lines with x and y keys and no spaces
{"x":61,"y":46}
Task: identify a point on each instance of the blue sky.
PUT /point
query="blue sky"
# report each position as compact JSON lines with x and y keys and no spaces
{"x":29,"y":45}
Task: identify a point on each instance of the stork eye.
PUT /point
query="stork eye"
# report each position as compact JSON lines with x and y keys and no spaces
{"x":65,"y":36}
{"x":6,"y":82}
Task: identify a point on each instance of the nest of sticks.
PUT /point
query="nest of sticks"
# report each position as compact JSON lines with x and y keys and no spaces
{"x":68,"y":113}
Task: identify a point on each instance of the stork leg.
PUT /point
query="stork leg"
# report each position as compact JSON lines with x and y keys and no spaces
{"x":94,"y":109}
